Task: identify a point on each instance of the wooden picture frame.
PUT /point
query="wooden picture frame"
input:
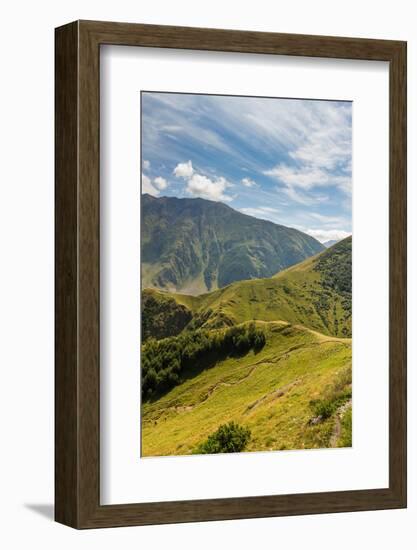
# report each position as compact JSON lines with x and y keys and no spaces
{"x":77,"y":403}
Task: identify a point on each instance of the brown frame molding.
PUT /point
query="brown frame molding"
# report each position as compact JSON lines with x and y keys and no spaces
{"x":77,"y":359}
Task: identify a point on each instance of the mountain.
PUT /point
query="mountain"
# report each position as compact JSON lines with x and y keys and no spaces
{"x":273,"y":355}
{"x":328,"y":244}
{"x":195,"y":245}
{"x":316,"y":293}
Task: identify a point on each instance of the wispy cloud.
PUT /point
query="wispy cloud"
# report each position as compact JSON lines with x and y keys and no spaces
{"x":263,"y":212}
{"x":288,"y":152}
{"x":302,"y":198}
{"x":165,"y":115}
{"x":321,"y":156}
{"x":329,"y":220}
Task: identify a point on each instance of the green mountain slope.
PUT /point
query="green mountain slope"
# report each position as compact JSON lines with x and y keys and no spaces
{"x":162,"y":315}
{"x":316,"y":293}
{"x":294,"y":393}
{"x":271,"y":355}
{"x":195,"y":245}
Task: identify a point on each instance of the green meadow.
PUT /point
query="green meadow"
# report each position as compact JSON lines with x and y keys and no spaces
{"x":272,"y":356}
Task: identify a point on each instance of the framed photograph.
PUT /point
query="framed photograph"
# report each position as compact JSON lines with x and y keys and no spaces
{"x":230,"y":274}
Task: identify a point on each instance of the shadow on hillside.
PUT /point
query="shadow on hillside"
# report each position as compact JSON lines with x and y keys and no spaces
{"x":208,"y":362}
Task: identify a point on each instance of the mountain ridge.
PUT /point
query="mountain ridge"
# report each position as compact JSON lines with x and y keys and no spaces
{"x":273,"y":355}
{"x":331,"y":242}
{"x":194,"y":245}
{"x":315,"y":293}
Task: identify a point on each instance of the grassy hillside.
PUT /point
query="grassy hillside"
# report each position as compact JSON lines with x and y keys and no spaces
{"x":195,"y":245}
{"x":272,"y":356}
{"x":292,"y":394}
{"x":315,"y":293}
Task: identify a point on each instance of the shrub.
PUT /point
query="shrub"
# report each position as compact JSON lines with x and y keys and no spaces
{"x":334,"y":396}
{"x":162,"y":316}
{"x":324,"y":408}
{"x":228,"y":438}
{"x":346,"y":435}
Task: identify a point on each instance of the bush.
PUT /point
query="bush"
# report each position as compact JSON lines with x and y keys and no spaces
{"x":324,"y":408}
{"x":228,"y":438}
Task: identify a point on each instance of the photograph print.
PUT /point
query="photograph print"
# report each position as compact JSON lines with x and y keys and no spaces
{"x":246,"y":274}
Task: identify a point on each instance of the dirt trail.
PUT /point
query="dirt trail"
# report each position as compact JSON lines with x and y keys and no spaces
{"x":324,"y":337}
{"x":271,"y":396}
{"x":337,"y":429}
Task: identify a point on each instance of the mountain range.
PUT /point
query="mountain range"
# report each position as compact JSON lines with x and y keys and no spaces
{"x":195,"y":245}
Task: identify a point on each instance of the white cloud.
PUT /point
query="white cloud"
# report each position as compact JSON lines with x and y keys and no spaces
{"x":184,"y":170}
{"x":206,"y":188}
{"x":324,"y":235}
{"x":160,"y":183}
{"x":248,"y":182}
{"x":153,"y":187}
{"x":146,"y":164}
{"x":199,"y":185}
{"x":147,"y":186}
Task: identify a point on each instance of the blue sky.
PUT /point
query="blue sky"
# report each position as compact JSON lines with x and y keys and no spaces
{"x":284,"y":160}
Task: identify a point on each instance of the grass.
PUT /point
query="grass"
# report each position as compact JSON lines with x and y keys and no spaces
{"x":295,"y":393}
{"x":269,"y":392}
{"x":300,"y":295}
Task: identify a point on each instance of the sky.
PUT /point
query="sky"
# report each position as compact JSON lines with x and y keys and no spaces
{"x":284,"y":160}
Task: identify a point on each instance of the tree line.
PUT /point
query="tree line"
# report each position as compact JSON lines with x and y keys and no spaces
{"x":164,"y":362}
